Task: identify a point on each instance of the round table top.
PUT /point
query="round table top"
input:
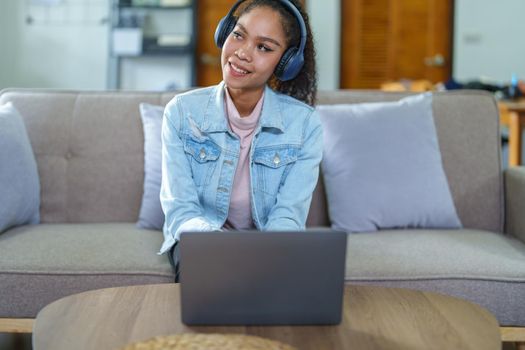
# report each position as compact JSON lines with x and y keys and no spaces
{"x":206,"y":341}
{"x":373,"y":318}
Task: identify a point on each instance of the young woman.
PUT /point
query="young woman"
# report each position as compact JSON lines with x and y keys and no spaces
{"x":245,"y":154}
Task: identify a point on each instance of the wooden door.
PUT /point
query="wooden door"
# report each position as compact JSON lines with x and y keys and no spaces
{"x":208,"y":63}
{"x":385,"y":40}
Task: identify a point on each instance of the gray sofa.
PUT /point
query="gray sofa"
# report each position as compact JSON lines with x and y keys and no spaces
{"x":89,"y":151}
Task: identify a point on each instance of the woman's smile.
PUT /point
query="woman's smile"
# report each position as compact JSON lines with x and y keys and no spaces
{"x":237,"y":70}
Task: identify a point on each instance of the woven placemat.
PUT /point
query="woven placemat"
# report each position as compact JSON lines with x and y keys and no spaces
{"x":199,"y":341}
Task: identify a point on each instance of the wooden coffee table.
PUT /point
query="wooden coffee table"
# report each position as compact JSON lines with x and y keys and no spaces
{"x":512,"y":114}
{"x":373,"y":318}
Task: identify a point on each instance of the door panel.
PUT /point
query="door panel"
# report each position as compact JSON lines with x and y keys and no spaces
{"x":385,"y":40}
{"x":209,"y":14}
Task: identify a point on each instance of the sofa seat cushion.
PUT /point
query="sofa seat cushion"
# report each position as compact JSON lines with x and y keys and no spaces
{"x":42,"y":263}
{"x":484,"y":267}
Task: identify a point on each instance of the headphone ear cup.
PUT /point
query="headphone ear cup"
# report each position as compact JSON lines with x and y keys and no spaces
{"x":224,"y":28}
{"x":290,"y":64}
{"x":281,"y":66}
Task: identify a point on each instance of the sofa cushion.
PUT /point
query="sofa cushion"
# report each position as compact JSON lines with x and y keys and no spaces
{"x":63,"y":259}
{"x":19,"y":183}
{"x":392,"y":173}
{"x":484,"y":267}
{"x":151,"y":215}
{"x":467,"y":125}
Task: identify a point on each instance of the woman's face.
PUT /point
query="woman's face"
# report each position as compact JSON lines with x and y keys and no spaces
{"x":253,"y":49}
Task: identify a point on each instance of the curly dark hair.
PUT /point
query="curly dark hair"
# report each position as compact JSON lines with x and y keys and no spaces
{"x":304,"y":86}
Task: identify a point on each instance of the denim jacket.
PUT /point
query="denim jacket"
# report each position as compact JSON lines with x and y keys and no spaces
{"x":200,"y":155}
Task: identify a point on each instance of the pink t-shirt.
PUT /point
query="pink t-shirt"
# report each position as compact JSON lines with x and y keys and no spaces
{"x":240,"y":213}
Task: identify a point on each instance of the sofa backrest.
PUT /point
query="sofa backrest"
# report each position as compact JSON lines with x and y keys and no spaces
{"x":89,"y":151}
{"x":467,"y":124}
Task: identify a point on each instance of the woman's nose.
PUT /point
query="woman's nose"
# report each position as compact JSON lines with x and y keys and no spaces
{"x":243,"y":54}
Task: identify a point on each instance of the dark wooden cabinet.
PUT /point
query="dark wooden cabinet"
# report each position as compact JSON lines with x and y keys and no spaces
{"x":385,"y":40}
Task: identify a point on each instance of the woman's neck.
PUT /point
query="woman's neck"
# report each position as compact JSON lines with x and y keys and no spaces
{"x":245,"y":100}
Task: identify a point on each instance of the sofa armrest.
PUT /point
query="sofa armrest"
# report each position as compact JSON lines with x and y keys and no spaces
{"x":515,"y":202}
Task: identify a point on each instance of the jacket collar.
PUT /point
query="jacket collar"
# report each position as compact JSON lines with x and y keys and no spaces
{"x":215,"y":115}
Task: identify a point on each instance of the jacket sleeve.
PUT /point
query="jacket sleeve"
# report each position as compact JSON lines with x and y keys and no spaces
{"x":178,"y":193}
{"x":293,"y":199}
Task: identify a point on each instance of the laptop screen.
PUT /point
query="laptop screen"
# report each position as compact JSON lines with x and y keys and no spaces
{"x":253,"y":277}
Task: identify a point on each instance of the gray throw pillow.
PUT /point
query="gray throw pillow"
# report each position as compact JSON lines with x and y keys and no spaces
{"x":382,"y":166}
{"x":19,"y":183}
{"x":151,"y":215}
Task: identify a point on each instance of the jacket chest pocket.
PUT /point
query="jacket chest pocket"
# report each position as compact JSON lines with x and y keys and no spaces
{"x":202,"y":155}
{"x":272,"y":164}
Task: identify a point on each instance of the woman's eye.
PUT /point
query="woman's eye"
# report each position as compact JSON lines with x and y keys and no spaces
{"x":236,"y":35}
{"x":264,"y":48}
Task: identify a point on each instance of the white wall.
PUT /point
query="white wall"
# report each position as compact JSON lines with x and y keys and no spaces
{"x":488,"y":39}
{"x":7,"y":47}
{"x":65,"y":47}
{"x":325,"y":22}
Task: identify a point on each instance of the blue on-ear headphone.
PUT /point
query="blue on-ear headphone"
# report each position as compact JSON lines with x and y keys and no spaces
{"x":293,"y":58}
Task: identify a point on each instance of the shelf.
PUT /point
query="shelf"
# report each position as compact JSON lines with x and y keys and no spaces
{"x":155,"y":5}
{"x":181,"y":7}
{"x":150,"y":46}
{"x":128,"y":43}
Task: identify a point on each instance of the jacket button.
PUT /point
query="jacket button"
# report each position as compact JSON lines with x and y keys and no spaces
{"x":202,"y":154}
{"x":276,"y":159}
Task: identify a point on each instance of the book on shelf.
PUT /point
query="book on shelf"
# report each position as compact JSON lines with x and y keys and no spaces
{"x":153,"y":3}
{"x":174,"y":3}
{"x":173,"y":40}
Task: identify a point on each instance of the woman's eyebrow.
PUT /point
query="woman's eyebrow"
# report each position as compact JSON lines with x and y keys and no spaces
{"x":263,"y":38}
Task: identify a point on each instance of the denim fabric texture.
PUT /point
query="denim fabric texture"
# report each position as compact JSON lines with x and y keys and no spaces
{"x":200,"y":155}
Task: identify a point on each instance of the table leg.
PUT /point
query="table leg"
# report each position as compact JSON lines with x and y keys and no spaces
{"x":514,"y":139}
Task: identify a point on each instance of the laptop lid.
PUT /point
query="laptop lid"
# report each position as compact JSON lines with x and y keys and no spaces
{"x":262,"y":278}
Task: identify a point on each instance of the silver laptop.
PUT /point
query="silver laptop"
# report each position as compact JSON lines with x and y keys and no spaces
{"x":262,"y":278}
